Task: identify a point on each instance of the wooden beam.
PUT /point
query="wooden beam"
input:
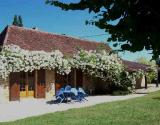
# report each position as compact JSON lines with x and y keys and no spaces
{"x":26,"y":84}
{"x":146,"y":82}
{"x":157,"y":82}
{"x":75,"y":78}
{"x":36,"y":77}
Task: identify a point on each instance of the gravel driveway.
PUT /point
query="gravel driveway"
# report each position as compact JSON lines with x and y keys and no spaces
{"x":32,"y":107}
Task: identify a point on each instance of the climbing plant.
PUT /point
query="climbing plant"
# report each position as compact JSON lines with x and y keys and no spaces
{"x":100,"y":64}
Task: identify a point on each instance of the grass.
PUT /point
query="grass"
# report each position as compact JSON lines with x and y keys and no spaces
{"x":139,"y":111}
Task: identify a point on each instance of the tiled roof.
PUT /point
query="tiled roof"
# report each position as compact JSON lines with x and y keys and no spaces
{"x":134,"y":66}
{"x":31,"y":39}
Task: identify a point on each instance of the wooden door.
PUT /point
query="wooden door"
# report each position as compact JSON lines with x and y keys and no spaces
{"x":40,"y":83}
{"x":27,"y":84}
{"x":79,"y":78}
{"x":14,"y":86}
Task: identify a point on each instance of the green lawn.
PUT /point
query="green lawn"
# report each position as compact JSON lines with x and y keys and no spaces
{"x":139,"y":111}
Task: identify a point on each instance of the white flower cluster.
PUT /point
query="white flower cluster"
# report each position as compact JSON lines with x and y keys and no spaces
{"x":3,"y":67}
{"x":15,"y":59}
{"x":99,"y":64}
{"x":138,"y":74}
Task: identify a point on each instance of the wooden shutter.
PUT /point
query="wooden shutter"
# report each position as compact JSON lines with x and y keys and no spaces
{"x":41,"y":84}
{"x":14,"y":86}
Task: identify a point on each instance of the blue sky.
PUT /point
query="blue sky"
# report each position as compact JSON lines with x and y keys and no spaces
{"x":52,"y":19}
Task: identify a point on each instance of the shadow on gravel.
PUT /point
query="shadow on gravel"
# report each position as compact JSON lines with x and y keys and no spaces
{"x":57,"y":102}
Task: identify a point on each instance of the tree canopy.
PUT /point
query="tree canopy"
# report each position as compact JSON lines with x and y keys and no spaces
{"x":133,"y":24}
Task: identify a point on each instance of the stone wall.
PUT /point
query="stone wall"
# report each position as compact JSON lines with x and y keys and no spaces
{"x":4,"y":90}
{"x":140,"y":83}
{"x":50,"y":83}
{"x":143,"y":81}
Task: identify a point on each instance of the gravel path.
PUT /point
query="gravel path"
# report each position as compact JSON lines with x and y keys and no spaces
{"x":32,"y":107}
{"x":26,"y":108}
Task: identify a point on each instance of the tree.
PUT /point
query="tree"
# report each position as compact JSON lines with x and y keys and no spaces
{"x":17,"y":21}
{"x":20,"y":21}
{"x":133,"y":24}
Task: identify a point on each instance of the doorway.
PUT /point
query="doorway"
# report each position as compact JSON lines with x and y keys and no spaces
{"x":27,"y":84}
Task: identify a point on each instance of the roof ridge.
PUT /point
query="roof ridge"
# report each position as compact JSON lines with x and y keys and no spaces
{"x":6,"y":30}
{"x":51,"y":33}
{"x":135,"y":62}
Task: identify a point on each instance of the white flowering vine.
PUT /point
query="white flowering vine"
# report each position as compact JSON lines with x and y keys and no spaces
{"x":138,"y":74}
{"x":99,"y":64}
{"x":15,"y":59}
{"x":96,"y":63}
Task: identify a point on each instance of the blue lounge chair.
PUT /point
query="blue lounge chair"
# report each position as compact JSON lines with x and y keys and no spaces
{"x":67,"y":92}
{"x":67,"y":88}
{"x":74,"y":95}
{"x":60,"y":95}
{"x":82,"y":94}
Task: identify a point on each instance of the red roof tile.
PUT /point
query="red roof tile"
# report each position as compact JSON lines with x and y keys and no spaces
{"x":134,"y":66}
{"x":31,"y":39}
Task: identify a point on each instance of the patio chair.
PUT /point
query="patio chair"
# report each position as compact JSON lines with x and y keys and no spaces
{"x":67,"y":88}
{"x":82,"y":93}
{"x":74,"y":95}
{"x":60,"y":95}
{"x":67,"y":92}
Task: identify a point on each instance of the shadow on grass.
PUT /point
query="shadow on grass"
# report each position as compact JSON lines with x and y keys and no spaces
{"x":141,"y":92}
{"x":156,"y":98}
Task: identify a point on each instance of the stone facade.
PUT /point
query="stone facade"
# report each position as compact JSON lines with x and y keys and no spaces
{"x":50,"y":83}
{"x":140,"y":82}
{"x":90,"y":84}
{"x":143,"y":81}
{"x":50,"y":87}
{"x":4,"y":90}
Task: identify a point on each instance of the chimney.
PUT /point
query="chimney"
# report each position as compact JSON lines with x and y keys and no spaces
{"x":35,"y":28}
